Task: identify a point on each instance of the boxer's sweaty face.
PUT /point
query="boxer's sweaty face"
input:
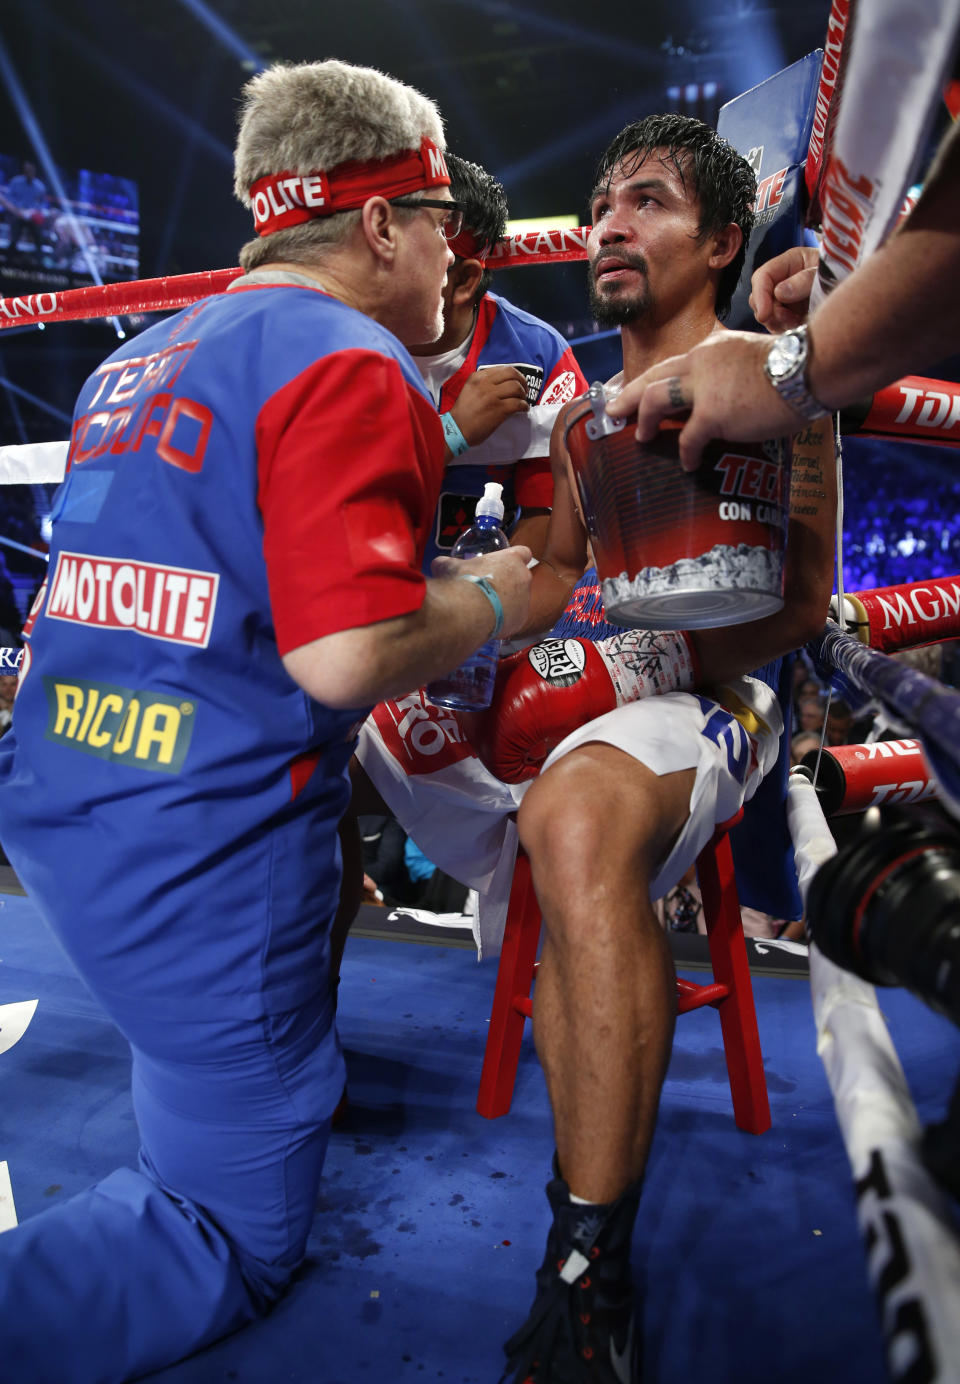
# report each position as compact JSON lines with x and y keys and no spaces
{"x":644,"y":251}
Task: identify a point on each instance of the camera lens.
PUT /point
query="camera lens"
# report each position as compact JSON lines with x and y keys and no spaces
{"x":887,"y":907}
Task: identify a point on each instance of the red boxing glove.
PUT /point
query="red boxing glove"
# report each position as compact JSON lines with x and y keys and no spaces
{"x":545,"y":692}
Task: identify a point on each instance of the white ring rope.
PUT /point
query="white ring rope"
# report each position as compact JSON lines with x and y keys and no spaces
{"x":31,"y":463}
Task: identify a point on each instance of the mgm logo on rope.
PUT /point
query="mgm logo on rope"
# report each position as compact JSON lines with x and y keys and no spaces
{"x":144,"y":729}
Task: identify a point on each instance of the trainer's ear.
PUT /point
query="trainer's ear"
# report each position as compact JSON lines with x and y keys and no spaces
{"x":726,"y":243}
{"x":380,"y":228}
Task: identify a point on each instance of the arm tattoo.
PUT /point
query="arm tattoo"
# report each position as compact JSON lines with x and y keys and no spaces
{"x":806,"y":474}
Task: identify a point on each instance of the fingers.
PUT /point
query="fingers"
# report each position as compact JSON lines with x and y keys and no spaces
{"x":507,"y":558}
{"x":634,"y":392}
{"x":694,"y":436}
{"x":797,"y":288}
{"x":499,"y":373}
{"x":488,"y":397}
{"x":503,"y":381}
{"x":661,"y":392}
{"x":780,"y":289}
{"x":778,"y":318}
{"x":524,"y":553}
{"x":789,"y":303}
{"x":511,"y":578}
{"x":761,"y":298}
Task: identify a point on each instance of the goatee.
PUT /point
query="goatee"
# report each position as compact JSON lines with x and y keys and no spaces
{"x":619,"y":308}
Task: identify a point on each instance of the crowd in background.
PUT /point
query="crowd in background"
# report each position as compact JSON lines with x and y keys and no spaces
{"x":901,"y":514}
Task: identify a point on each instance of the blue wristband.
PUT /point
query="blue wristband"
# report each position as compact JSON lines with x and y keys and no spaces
{"x":489,"y":590}
{"x":456,"y":441}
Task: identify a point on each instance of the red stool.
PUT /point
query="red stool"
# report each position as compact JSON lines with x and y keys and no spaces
{"x":731,"y":992}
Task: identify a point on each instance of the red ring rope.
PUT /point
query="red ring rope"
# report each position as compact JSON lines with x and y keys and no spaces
{"x":179,"y":290}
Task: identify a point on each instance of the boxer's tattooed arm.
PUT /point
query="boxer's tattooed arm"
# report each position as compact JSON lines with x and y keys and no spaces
{"x":807,"y":482}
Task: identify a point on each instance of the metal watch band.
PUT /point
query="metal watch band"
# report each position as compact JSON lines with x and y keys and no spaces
{"x":793,"y":388}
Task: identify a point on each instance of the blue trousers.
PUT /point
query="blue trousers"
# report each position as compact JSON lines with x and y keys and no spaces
{"x":150,"y":1265}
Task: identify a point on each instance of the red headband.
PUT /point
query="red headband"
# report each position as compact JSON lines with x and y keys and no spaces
{"x":288,"y":199}
{"x":467,"y":246}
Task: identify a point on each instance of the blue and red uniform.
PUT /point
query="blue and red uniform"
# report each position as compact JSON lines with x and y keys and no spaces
{"x":517,"y":454}
{"x":256,"y":473}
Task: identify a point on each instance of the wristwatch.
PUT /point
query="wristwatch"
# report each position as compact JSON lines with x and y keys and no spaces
{"x":785,"y":368}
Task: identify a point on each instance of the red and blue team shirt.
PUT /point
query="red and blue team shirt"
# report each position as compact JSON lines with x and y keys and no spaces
{"x":518,"y":452}
{"x":255,"y":473}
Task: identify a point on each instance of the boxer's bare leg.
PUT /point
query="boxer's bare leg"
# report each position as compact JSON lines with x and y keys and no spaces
{"x":595,"y":826}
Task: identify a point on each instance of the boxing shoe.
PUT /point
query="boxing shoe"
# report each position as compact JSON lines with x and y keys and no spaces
{"x":582,"y":1328}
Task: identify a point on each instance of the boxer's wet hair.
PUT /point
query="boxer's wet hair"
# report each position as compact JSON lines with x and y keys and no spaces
{"x":721,"y":179}
{"x":484,"y":204}
{"x":300,"y":117}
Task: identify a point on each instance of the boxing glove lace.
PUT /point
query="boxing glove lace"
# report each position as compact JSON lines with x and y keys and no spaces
{"x":550,"y":689}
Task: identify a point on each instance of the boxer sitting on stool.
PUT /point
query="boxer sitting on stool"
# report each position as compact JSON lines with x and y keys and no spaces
{"x":625,"y":803}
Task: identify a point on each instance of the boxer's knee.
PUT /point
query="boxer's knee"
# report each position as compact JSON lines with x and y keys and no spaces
{"x":599,"y":814}
{"x":556,"y":821}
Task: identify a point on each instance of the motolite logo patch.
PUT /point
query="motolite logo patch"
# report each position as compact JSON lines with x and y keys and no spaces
{"x":147,"y":730}
{"x":170,"y":603}
{"x":559,"y":661}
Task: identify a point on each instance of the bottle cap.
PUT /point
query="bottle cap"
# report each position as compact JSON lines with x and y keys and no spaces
{"x":491,"y":502}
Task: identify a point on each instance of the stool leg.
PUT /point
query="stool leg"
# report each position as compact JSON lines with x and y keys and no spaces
{"x":738,"y":1016}
{"x":518,"y":958}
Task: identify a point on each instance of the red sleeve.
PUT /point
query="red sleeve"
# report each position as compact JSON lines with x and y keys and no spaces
{"x":565,"y":381}
{"x":533,"y":483}
{"x":350,"y":459}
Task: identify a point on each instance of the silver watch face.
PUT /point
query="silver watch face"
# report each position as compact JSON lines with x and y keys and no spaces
{"x":785,"y":355}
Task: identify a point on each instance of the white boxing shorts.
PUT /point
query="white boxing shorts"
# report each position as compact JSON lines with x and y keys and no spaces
{"x":732,"y":740}
{"x":463,"y":819}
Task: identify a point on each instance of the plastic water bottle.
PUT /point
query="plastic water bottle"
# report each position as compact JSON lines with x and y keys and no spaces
{"x":470,"y":687}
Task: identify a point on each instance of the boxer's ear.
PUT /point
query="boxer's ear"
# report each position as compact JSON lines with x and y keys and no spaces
{"x":726,"y":244}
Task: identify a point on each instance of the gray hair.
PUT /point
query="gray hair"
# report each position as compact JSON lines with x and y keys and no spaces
{"x":308,"y":116}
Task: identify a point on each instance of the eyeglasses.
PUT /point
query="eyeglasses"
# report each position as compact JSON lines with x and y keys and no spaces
{"x":452,"y":223}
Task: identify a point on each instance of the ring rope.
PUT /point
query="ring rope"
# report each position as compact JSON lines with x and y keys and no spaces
{"x":907,"y":696}
{"x":904,"y":1216}
{"x":177,"y":291}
